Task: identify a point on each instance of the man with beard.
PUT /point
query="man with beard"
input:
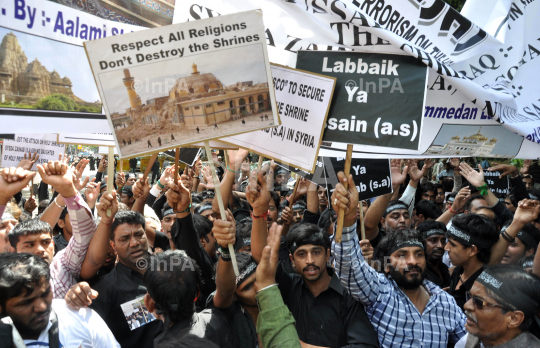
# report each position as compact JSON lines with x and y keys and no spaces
{"x":282,"y":177}
{"x":27,"y":305}
{"x":125,"y":282}
{"x":405,"y":309}
{"x":325,"y":313}
{"x":434,"y":235}
{"x":501,"y":308}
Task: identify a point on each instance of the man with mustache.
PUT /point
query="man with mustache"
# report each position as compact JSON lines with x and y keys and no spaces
{"x":501,"y":308}
{"x":326,"y":315}
{"x":323,"y":199}
{"x":26,"y":303}
{"x":434,"y":235}
{"x":405,"y":309}
{"x":125,"y":282}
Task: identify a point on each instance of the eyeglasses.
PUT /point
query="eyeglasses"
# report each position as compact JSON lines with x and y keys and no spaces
{"x":479,"y":303}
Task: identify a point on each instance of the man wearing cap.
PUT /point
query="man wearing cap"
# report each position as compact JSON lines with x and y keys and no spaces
{"x":500,"y":309}
{"x":433,"y":234}
{"x":405,"y":309}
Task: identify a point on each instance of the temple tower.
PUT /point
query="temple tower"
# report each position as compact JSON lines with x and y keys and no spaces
{"x":134,"y":99}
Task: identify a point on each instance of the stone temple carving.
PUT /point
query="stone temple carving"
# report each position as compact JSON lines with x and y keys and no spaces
{"x":26,"y":83}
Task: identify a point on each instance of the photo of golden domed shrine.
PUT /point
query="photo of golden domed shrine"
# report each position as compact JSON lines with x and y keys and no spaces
{"x":191,"y":108}
{"x":475,"y":141}
{"x":32,"y":85}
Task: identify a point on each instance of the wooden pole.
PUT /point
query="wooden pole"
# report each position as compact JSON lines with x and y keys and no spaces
{"x":362,"y":228}
{"x":220,"y":202}
{"x":176,"y":164}
{"x":226,"y":157}
{"x":149,"y":168}
{"x":110,"y":173}
{"x":341,"y":212}
{"x":259,"y":165}
{"x":121,"y":166}
{"x":32,"y":188}
{"x":291,"y":202}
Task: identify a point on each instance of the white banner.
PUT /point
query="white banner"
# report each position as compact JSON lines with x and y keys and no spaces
{"x":44,"y":145}
{"x":487,"y":60}
{"x":303,"y":100}
{"x":46,"y":85}
{"x":95,"y":139}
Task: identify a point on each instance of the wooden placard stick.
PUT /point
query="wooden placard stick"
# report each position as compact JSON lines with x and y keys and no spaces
{"x":32,"y":188}
{"x":220,"y":202}
{"x":226,"y":157}
{"x":110,"y":174}
{"x":294,"y":191}
{"x":176,"y":161}
{"x":341,"y":212}
{"x":259,"y":165}
{"x":121,"y":166}
{"x":149,"y":167}
{"x":362,"y":228}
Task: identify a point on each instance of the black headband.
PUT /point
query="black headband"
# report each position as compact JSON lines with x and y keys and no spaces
{"x":298,"y":206}
{"x":509,"y":293}
{"x":246,"y":273}
{"x":523,"y":236}
{"x":167,"y":211}
{"x":202,"y":208}
{"x":282,"y":171}
{"x":395,"y":206}
{"x":464,"y":237}
{"x":433,"y":232}
{"x":242,"y":242}
{"x":527,"y":264}
{"x":314,"y":239}
{"x":413,"y":242}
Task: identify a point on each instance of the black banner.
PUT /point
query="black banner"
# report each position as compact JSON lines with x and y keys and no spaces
{"x":371,"y":176}
{"x":378,"y":98}
{"x":495,"y":184}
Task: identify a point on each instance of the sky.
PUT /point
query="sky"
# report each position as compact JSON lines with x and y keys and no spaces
{"x":508,"y":142}
{"x":229,"y":66}
{"x":68,"y":60}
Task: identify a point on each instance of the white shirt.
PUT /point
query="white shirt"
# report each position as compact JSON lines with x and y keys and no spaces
{"x":83,"y":328}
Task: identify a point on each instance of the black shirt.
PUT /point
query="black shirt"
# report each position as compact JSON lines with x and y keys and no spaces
{"x":433,"y":276}
{"x":332,"y":319}
{"x":459,"y":294}
{"x":211,"y":324}
{"x":121,"y":285}
{"x":243,"y":327}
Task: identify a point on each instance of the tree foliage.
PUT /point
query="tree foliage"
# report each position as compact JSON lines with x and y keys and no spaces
{"x":456,"y":4}
{"x":61,"y":102}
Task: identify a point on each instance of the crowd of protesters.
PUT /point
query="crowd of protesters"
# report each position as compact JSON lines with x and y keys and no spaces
{"x":442,"y":261}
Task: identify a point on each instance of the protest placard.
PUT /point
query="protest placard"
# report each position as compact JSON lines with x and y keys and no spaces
{"x":371,"y":176}
{"x":46,"y":86}
{"x":188,"y":155}
{"x":93,"y":139}
{"x":318,"y":176}
{"x":185,"y":83}
{"x":44,"y":145}
{"x":303,"y":100}
{"x":496,"y":184}
{"x":378,"y":100}
{"x":104,"y":150}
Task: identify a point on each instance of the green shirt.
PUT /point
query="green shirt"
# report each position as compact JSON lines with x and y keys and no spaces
{"x":275,"y":324}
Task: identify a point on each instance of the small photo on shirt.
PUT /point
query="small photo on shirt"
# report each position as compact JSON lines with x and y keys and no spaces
{"x":136,"y":313}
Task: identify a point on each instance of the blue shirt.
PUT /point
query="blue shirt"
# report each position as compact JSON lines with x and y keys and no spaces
{"x":395,"y":318}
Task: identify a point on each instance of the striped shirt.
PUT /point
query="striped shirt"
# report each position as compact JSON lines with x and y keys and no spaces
{"x":395,"y":318}
{"x":66,"y":265}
